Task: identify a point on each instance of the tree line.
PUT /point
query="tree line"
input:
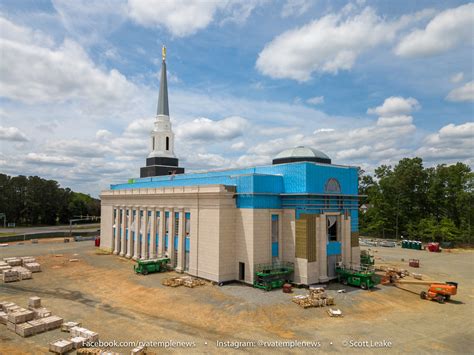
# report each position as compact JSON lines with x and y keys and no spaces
{"x":418,"y":203}
{"x":35,"y":201}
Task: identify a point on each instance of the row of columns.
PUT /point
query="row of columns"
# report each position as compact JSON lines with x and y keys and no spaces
{"x":143,"y":225}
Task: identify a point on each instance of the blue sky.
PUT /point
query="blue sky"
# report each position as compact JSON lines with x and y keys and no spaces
{"x":366,"y":82}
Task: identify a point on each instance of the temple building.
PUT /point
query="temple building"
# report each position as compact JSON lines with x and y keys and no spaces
{"x":221,"y":225}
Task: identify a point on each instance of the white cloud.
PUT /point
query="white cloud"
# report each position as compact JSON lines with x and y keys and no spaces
{"x":35,"y":70}
{"x":103,"y":134}
{"x":463,"y":93}
{"x":295,"y":7}
{"x":12,"y":134}
{"x":238,"y":146}
{"x":185,"y":17}
{"x":457,"y":78}
{"x":206,"y":129}
{"x":328,"y":44}
{"x":77,"y":148}
{"x":324,"y":130}
{"x":449,"y":29}
{"x":395,"y":105}
{"x":451,"y":143}
{"x":44,"y":159}
{"x":316,"y":100}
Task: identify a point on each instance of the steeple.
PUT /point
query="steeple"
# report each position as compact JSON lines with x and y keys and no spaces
{"x":163,"y":108}
{"x":161,"y":160}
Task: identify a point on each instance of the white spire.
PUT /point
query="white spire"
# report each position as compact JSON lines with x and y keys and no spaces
{"x":162,"y":136}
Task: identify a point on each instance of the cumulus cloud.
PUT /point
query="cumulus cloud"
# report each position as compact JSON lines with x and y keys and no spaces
{"x":315,"y":100}
{"x":77,"y":148}
{"x":463,"y":93}
{"x":451,"y":142}
{"x":447,"y":30}
{"x":12,"y":134}
{"x":206,"y":129}
{"x":328,"y":44}
{"x":34,"y":69}
{"x":44,"y":159}
{"x":185,"y":17}
{"x":395,"y":105}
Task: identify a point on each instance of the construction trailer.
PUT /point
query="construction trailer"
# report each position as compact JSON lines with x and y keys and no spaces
{"x":275,"y":275}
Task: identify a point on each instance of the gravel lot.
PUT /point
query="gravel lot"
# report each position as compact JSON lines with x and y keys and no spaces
{"x":102,"y":292}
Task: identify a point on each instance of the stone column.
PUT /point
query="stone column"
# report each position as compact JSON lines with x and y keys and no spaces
{"x":323,"y":258}
{"x":136,"y":250}
{"x":115,"y":238}
{"x":181,"y":236}
{"x":123,"y":224}
{"x":144,"y":253}
{"x":130,"y":240}
{"x":171,"y":235}
{"x":161,"y":233}
{"x":153,"y":234}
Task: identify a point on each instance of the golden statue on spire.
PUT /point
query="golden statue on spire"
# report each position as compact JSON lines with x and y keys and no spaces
{"x":163,"y":52}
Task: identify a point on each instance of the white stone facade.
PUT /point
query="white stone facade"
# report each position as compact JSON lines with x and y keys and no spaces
{"x":220,"y":235}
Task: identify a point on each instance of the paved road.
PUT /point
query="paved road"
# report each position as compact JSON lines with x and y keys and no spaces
{"x":47,"y":229}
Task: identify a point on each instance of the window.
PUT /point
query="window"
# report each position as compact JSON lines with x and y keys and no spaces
{"x":326,"y":202}
{"x":167,"y":143}
{"x":153,"y":143}
{"x":275,"y":237}
{"x":187,"y":223}
{"x":332,"y":228}
{"x":340,"y":202}
{"x":176,"y":223}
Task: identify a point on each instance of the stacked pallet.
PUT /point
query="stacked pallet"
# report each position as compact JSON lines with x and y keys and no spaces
{"x":84,"y":333}
{"x":27,"y":259}
{"x":66,"y":327}
{"x":20,"y":316}
{"x":52,"y":322}
{"x":316,"y":298}
{"x":187,"y":281}
{"x":34,"y":302}
{"x":33,"y":267}
{"x":10,"y":276}
{"x":41,"y":312}
{"x":13,"y":261}
{"x":193,"y":282}
{"x":78,"y":342}
{"x":25,"y":329}
{"x":4,"y":266}
{"x":38,"y":326}
{"x":61,"y":346}
{"x":23,"y":273}
{"x":3,"y":317}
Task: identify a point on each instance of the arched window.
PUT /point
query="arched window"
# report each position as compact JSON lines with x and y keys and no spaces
{"x":153,"y":143}
{"x":167,"y":143}
{"x":332,"y":185}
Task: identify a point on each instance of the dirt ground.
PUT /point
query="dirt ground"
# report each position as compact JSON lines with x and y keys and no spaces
{"x":103,"y":293}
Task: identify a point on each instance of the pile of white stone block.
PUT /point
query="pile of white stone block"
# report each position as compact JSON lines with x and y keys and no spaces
{"x":23,"y":273}
{"x":4,"y":266}
{"x":13,"y":261}
{"x":26,"y":322}
{"x":10,"y":275}
{"x":87,"y":334}
{"x":16,"y":269}
{"x":61,"y":346}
